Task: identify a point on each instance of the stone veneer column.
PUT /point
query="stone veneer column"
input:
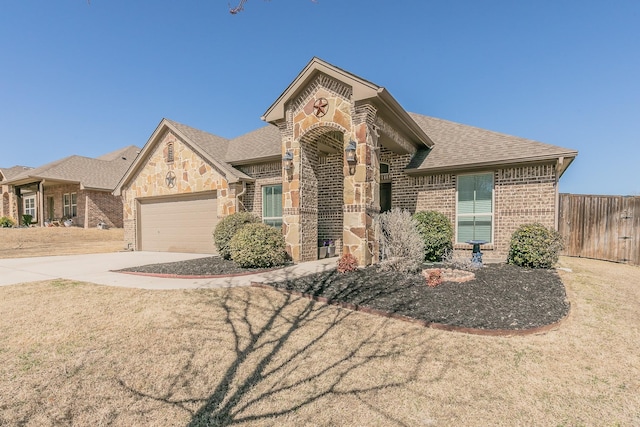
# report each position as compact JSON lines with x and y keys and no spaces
{"x":291,"y":191}
{"x":361,"y":189}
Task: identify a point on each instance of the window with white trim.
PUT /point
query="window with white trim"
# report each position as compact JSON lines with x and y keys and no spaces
{"x":70,"y":205}
{"x":29,"y":205}
{"x":272,"y":205}
{"x":474,"y":219}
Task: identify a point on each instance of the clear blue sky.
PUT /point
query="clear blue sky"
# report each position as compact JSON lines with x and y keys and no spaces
{"x":79,"y":78}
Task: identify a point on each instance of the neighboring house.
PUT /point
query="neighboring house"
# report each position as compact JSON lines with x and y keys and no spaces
{"x":75,"y":187}
{"x":338,"y":150}
{"x":8,"y":208}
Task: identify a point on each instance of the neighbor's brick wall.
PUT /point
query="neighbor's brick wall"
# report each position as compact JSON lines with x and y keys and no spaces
{"x":98,"y":205}
{"x":103,"y":207}
{"x":6,"y":211}
{"x":58,"y":206}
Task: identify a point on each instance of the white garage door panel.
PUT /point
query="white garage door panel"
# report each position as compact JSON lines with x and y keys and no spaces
{"x":178,"y":224}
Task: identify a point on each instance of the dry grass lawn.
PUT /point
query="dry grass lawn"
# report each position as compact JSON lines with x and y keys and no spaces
{"x":39,"y":241}
{"x":80,"y":354}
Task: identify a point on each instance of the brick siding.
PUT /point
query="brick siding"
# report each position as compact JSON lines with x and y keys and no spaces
{"x":522,"y":194}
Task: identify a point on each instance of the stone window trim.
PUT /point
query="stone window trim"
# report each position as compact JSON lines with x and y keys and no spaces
{"x":461,"y":244}
{"x":70,"y":205}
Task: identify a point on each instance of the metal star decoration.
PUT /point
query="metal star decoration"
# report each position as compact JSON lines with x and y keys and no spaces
{"x":320,"y":107}
{"x":170,"y":179}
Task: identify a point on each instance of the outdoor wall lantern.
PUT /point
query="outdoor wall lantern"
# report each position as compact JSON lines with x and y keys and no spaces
{"x":287,"y":161}
{"x":350,"y":153}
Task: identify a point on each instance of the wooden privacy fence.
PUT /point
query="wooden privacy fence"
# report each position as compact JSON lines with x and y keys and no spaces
{"x":601,"y":227}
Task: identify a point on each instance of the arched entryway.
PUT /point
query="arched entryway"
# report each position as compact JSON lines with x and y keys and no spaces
{"x":321,"y":189}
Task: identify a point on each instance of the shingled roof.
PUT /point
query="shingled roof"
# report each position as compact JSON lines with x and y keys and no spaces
{"x":96,"y":174}
{"x":214,"y":145}
{"x":456,"y":147}
{"x":8,"y":173}
{"x":459,"y":147}
{"x":259,"y":145}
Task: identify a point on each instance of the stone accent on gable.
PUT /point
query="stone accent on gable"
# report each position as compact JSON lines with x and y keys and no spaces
{"x":193,"y":174}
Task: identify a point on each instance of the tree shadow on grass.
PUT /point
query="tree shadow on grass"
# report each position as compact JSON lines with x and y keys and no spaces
{"x":289,"y":352}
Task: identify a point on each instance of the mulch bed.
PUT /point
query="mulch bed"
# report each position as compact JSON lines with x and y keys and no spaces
{"x":500,"y":297}
{"x":208,"y":266}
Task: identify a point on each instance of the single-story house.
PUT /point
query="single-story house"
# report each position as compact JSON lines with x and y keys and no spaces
{"x":338,"y":150}
{"x":75,"y":187}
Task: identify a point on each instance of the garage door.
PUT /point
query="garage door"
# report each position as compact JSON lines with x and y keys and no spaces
{"x":178,"y":224}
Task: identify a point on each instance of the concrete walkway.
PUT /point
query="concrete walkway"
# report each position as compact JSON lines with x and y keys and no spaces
{"x":95,"y":268}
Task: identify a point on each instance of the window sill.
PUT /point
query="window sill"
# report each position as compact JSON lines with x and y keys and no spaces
{"x":466,"y":246}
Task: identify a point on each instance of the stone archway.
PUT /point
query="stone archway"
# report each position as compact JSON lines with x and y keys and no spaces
{"x":321,"y":189}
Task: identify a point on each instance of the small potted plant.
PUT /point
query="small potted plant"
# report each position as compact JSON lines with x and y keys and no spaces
{"x":331,"y":249}
{"x":322,"y":249}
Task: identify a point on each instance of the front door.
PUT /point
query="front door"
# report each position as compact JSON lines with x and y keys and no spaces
{"x":385,"y":197}
{"x":50,"y":208}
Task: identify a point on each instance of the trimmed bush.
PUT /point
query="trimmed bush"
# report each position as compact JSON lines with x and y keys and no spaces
{"x":228,"y":227}
{"x":437,"y":234}
{"x":6,"y":222}
{"x":400,"y":242}
{"x":535,"y":246}
{"x":258,"y":245}
{"x":347,"y":263}
{"x":26,"y":219}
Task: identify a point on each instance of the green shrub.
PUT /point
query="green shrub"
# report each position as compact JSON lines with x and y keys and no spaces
{"x":6,"y":222}
{"x":258,"y":245}
{"x":227,"y":228}
{"x":26,"y":219}
{"x":437,"y":234}
{"x":535,"y":246}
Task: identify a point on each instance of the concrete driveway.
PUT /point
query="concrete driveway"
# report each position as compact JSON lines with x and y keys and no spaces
{"x":95,"y":268}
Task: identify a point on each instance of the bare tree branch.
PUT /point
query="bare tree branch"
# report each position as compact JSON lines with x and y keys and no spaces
{"x":240,"y":7}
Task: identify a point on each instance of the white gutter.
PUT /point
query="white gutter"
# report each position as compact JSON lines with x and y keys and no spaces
{"x":240,"y":194}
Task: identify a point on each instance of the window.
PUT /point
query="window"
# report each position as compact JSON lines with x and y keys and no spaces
{"x":29,"y":204}
{"x":272,"y":205}
{"x":70,"y":205}
{"x":384,"y":167}
{"x":475,"y":208}
{"x":170,"y":152}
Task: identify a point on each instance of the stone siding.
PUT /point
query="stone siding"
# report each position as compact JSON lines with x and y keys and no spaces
{"x":192,"y":174}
